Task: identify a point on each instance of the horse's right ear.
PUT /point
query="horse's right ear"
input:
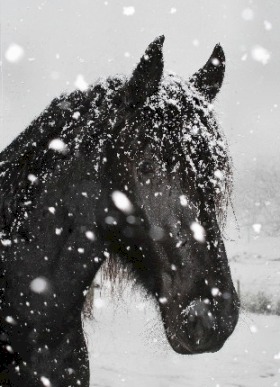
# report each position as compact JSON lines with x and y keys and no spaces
{"x":208,"y":80}
{"x":147,"y":75}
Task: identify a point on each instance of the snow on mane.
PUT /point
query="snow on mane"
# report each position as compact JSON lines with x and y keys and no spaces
{"x":204,"y":144}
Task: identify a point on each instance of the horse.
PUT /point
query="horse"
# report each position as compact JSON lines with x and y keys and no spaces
{"x":134,"y":169}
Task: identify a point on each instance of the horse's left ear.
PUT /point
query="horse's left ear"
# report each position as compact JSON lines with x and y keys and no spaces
{"x":208,"y":80}
{"x":147,"y":75}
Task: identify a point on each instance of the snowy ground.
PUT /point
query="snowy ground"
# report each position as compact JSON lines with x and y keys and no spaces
{"x":256,"y":264}
{"x":128,"y":347}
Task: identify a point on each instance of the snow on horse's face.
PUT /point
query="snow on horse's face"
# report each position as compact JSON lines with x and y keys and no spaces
{"x":169,"y":181}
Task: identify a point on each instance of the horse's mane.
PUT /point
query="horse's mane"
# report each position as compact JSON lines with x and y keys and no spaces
{"x":203,"y":142}
{"x":187,"y":120}
{"x":75,"y":118}
{"x":59,"y":120}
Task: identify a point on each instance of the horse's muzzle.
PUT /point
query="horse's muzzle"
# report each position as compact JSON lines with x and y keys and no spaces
{"x":201,"y":327}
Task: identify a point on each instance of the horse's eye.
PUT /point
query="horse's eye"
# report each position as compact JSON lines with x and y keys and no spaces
{"x":146,"y":167}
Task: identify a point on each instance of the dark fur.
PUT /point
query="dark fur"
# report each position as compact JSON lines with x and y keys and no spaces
{"x":121,"y":124}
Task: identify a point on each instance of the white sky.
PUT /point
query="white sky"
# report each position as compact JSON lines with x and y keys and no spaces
{"x":62,"y":39}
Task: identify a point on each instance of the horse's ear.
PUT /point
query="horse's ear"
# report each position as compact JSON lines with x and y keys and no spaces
{"x":208,"y":80}
{"x":147,"y":75}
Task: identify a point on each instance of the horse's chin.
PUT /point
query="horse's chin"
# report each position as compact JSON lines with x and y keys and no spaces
{"x":181,"y":346}
{"x":178,"y":345}
{"x":177,"y":338}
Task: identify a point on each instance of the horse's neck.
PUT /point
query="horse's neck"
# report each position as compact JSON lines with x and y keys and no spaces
{"x":56,"y":222}
{"x":31,"y":183}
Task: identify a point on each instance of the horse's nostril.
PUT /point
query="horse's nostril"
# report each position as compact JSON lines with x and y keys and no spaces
{"x":196,"y":308}
{"x":199,"y":321}
{"x":200,"y":331}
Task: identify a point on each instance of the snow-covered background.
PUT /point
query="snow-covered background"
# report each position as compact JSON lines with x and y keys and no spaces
{"x":128,"y":348}
{"x":52,"y":46}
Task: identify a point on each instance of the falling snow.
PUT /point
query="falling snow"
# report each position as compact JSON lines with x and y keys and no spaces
{"x":76,"y":115}
{"x":80,"y":83}
{"x":198,"y":232}
{"x":183,"y":200}
{"x":267,"y":25}
{"x":58,"y":231}
{"x":32,"y":178}
{"x":122,"y":202}
{"x":58,"y":145}
{"x":128,"y":11}
{"x":46,"y":382}
{"x":260,"y":54}
{"x":39,"y":285}
{"x":215,"y":292}
{"x":253,"y":329}
{"x":14,"y":53}
{"x":257,"y":227}
{"x":248,"y":14}
{"x":90,"y":235}
{"x":10,"y":320}
{"x":6,"y":242}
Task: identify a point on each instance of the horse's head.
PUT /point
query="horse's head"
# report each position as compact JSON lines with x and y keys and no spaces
{"x":169,"y":181}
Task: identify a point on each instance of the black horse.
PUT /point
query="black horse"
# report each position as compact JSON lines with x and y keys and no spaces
{"x":132,"y":168}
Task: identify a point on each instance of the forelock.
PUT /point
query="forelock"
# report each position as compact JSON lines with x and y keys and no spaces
{"x":179,"y":117}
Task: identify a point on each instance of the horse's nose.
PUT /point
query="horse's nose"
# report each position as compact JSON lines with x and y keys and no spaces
{"x":207,"y":328}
